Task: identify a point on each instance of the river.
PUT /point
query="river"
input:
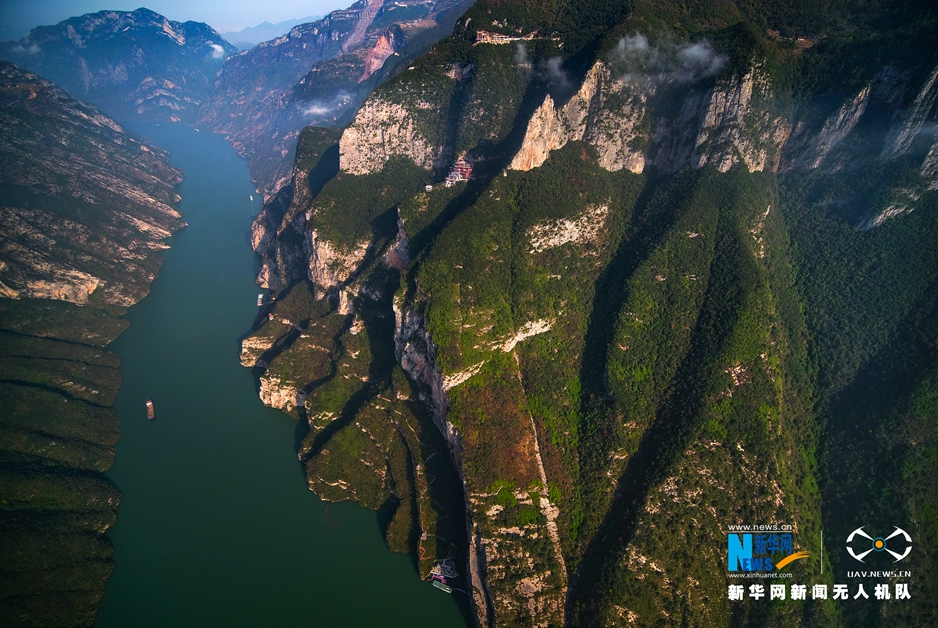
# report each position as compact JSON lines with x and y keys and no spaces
{"x":216,"y":526}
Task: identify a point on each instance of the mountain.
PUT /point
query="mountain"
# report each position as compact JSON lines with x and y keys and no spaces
{"x":643,"y":271}
{"x":141,"y":65}
{"x":247,"y":38}
{"x":86,"y":209}
{"x":318,"y":73}
{"x":136,"y":63}
{"x":11,"y":32}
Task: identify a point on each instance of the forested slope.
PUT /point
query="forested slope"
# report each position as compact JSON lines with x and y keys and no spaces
{"x":688,"y":284}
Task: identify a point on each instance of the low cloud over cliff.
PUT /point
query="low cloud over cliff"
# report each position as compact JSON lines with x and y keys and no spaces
{"x":637,"y":59}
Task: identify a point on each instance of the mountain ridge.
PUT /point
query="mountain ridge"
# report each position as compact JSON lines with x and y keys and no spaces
{"x":132,"y":63}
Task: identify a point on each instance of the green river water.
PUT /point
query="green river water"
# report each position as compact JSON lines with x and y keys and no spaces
{"x":216,"y":526}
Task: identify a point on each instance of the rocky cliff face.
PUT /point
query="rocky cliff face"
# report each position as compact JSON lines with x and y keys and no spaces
{"x":888,"y":124}
{"x":386,"y":46}
{"x":85,"y":210}
{"x":584,"y":118}
{"x":381,"y":130}
{"x":724,"y":125}
{"x":127,"y":63}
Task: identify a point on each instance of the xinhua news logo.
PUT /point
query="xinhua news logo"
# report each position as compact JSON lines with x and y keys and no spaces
{"x":761,"y":550}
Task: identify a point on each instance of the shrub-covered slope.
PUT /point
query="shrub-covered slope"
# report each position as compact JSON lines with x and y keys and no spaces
{"x":687,"y":285}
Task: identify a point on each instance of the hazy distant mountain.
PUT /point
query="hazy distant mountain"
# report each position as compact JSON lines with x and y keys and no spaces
{"x":249,"y":37}
{"x":318,"y":73}
{"x":127,"y":63}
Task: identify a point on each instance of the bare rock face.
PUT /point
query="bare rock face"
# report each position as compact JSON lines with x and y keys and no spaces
{"x":252,"y":348}
{"x":277,"y":394}
{"x":584,"y":230}
{"x":839,"y":126}
{"x":416,"y":354}
{"x":584,"y":118}
{"x":546,"y":132}
{"x":330,"y":265}
{"x":382,"y":129}
{"x":722,"y":125}
{"x":278,"y":235}
{"x":814,"y":148}
{"x":892,"y":114}
{"x":736,"y":127}
{"x":923,"y":111}
{"x":386,"y":45}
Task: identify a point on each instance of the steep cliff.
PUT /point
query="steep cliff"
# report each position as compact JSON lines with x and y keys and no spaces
{"x":86,"y":209}
{"x":637,"y":280}
{"x":73,"y":249}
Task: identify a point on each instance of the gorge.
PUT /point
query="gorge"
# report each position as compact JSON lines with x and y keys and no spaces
{"x":565,"y":297}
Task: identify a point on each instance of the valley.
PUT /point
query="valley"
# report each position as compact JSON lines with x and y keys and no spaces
{"x":562,"y":290}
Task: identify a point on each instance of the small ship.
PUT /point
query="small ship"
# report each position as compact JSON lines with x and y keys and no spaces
{"x":150,"y":412}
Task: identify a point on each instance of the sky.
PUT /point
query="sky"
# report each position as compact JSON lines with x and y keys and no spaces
{"x":222,"y":15}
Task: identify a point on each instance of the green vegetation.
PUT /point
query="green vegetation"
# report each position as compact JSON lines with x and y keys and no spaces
{"x":57,"y":435}
{"x":369,"y":438}
{"x":352,"y":209}
{"x":698,"y":346}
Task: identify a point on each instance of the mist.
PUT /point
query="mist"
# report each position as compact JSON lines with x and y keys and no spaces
{"x":319,"y":109}
{"x":636,"y":59}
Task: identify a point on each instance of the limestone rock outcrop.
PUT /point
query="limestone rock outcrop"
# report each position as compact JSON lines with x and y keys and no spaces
{"x":720,"y":125}
{"x":588,"y":116}
{"x":381,"y":130}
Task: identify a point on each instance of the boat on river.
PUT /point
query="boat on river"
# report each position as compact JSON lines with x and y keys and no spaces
{"x":260,"y":300}
{"x":150,"y":411}
{"x":442,"y":587}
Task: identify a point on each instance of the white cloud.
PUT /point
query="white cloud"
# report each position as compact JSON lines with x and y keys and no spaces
{"x":33,"y":49}
{"x":323,"y":109}
{"x":217,"y":51}
{"x":637,"y":59}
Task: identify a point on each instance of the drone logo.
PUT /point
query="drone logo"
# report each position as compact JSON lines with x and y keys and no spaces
{"x":879,"y":544}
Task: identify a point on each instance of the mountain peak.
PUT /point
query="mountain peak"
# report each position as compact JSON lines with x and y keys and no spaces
{"x":136,"y":63}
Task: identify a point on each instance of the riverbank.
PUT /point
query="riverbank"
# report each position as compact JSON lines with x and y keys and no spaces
{"x":217,"y":526}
